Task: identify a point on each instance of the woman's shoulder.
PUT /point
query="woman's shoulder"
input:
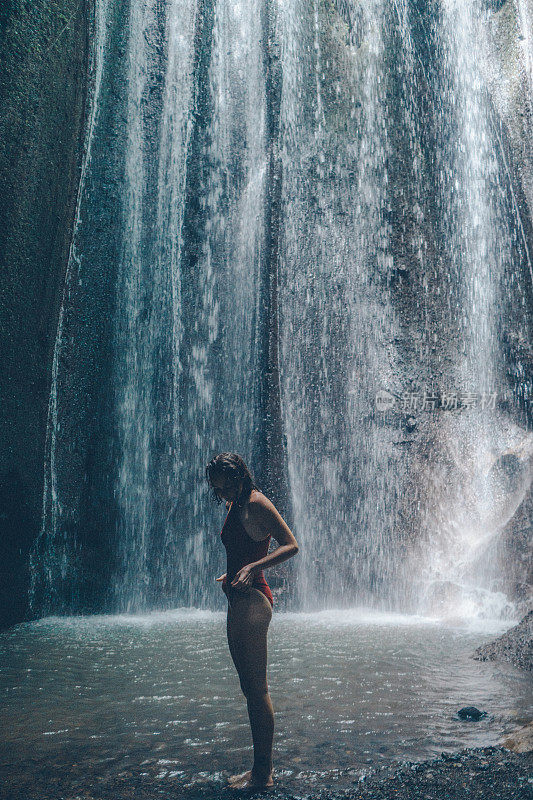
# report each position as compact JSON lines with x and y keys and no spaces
{"x":254,"y":514}
{"x":258,"y":503}
{"x":257,"y":496}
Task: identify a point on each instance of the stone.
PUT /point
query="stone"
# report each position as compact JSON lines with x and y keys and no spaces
{"x":471,"y":713}
{"x":521,"y":740}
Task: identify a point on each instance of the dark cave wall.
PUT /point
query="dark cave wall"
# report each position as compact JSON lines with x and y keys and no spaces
{"x":44,"y":52}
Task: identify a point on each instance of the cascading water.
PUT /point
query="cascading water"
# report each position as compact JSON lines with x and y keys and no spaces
{"x":347,"y":478}
{"x":524,"y":16}
{"x":337,"y":322}
{"x":470,"y":500}
{"x":187,"y":311}
{"x":189,"y":125}
{"x":399,"y":261}
{"x":148,"y":317}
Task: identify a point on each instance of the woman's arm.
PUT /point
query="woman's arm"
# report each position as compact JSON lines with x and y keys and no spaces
{"x":261,"y":519}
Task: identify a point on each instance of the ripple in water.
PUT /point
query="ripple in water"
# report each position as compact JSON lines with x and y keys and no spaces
{"x":156,"y":697}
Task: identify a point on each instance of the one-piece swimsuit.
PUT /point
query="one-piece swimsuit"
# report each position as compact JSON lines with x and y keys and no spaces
{"x":241,"y":550}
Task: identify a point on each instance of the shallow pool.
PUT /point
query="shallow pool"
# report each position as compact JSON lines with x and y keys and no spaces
{"x":158,"y":696}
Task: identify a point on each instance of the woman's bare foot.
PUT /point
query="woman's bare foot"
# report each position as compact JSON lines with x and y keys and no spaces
{"x":247,"y":780}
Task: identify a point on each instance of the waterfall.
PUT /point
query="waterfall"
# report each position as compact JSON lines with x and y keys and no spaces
{"x":337,"y":321}
{"x":187,"y":310}
{"x":148,"y":317}
{"x":400,"y":256}
{"x":470,"y":500}
{"x":182,"y":159}
{"x":524,"y":16}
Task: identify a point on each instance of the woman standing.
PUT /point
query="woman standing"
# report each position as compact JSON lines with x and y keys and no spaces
{"x":250,"y":522}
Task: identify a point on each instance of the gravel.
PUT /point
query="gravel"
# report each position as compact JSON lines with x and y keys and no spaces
{"x":490,"y":773}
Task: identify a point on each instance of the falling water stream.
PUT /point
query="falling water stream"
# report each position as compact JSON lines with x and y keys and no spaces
{"x":335,"y":305}
{"x":398,"y":260}
{"x":468,"y":505}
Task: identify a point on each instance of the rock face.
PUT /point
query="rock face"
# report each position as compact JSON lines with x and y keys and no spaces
{"x":521,"y":740}
{"x":509,"y":79}
{"x":517,"y":554}
{"x":44,"y":50}
{"x":516,"y":646}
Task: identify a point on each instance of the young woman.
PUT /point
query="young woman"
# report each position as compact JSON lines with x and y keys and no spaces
{"x":250,"y":522}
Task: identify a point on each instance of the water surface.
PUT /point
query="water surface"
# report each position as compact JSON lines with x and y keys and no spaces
{"x":157,"y":696}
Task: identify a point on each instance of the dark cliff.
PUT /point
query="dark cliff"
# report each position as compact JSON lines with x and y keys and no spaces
{"x":44,"y":54}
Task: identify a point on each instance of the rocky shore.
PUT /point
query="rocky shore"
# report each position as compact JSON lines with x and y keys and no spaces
{"x":515,"y":646}
{"x":490,"y":773}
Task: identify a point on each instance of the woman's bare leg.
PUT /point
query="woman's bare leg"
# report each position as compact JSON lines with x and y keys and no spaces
{"x":247,"y":627}
{"x":232,"y":647}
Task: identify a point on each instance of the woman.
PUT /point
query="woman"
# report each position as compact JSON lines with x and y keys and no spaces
{"x":250,"y":522}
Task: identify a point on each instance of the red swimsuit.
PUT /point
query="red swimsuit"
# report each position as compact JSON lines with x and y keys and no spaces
{"x":241,"y":550}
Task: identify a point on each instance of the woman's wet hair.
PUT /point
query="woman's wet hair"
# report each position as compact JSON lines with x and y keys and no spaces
{"x":230,"y":465}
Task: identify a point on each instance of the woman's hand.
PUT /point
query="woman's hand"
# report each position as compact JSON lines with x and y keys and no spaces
{"x":221,"y":577}
{"x":244,"y":578}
